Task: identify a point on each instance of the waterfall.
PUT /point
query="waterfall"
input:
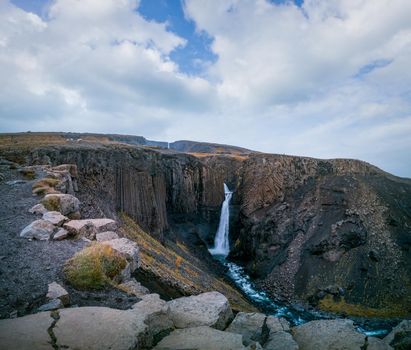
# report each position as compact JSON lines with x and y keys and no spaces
{"x":221,"y":242}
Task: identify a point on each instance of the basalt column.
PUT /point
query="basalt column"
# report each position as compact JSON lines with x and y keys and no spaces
{"x":143,"y":197}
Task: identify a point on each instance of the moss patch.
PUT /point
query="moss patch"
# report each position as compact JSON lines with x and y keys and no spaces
{"x":45,"y":186}
{"x":51,"y":203}
{"x":343,"y":307}
{"x":94,"y":267}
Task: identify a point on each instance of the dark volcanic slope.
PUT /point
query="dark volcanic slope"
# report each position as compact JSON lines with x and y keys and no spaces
{"x":335,"y":233}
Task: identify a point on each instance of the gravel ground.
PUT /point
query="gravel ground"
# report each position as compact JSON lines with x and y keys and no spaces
{"x":27,"y":267}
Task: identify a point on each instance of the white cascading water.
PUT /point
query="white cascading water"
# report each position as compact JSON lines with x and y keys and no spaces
{"x":221,"y":242}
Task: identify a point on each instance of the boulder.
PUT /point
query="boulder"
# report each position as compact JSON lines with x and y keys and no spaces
{"x":51,"y":305}
{"x":106,"y":236}
{"x":61,"y":234}
{"x":201,"y":338}
{"x":276,"y":324}
{"x":133,"y":287}
{"x":56,"y":291}
{"x":206,"y":309}
{"x":281,"y":341}
{"x":379,"y":344}
{"x":156,"y":316}
{"x":26,"y":333}
{"x":90,"y":227}
{"x":38,"y":209}
{"x":328,"y":335}
{"x":66,"y":204}
{"x":81,"y":228}
{"x":39,"y":229}
{"x":250,"y":326}
{"x":128,"y":249}
{"x":54,"y":217}
{"x":99,"y":328}
{"x":401,"y":329}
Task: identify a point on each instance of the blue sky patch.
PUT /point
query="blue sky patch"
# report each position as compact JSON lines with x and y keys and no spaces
{"x":196,"y":55}
{"x":368,"y":68}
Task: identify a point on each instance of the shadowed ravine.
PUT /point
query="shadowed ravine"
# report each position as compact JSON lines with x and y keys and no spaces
{"x":296,"y":316}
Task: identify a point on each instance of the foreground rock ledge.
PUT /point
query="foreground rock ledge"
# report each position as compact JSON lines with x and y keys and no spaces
{"x":203,"y":337}
{"x":207,"y":309}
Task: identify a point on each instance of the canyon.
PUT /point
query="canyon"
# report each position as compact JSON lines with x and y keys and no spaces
{"x":329,"y":235}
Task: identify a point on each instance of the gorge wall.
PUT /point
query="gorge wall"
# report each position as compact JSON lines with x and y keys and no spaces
{"x":335,"y":233}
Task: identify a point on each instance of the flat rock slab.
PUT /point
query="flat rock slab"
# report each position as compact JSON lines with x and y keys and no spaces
{"x":55,"y":217}
{"x":61,"y":234}
{"x":106,"y":236}
{"x":201,"y":338}
{"x":39,"y":229}
{"x":26,"y":333}
{"x":250,"y":326}
{"x":156,"y":317}
{"x":281,"y":341}
{"x":277,"y":324}
{"x":206,"y":309}
{"x":328,"y":335}
{"x":134,"y":287}
{"x":99,"y":328}
{"x":90,"y":227}
{"x":38,"y":209}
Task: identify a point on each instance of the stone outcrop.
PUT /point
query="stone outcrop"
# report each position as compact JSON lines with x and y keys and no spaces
{"x":66,"y":204}
{"x":332,"y":335}
{"x":400,"y":336}
{"x":38,"y":229}
{"x":89,"y":227}
{"x":26,"y":333}
{"x":106,"y":236}
{"x":201,"y":338}
{"x":133,"y":287}
{"x":62,"y":233}
{"x":56,"y":291}
{"x":151,"y":323}
{"x":250,"y":326}
{"x":208,"y":309}
{"x":55,"y":218}
{"x":38,"y":209}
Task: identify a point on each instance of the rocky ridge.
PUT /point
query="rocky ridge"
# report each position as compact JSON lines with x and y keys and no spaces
{"x":155,"y":323}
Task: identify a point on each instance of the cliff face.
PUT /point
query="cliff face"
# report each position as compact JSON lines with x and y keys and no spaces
{"x":335,"y":233}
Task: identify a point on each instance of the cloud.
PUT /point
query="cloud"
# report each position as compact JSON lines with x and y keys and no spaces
{"x":329,"y":78}
{"x":91,"y":64}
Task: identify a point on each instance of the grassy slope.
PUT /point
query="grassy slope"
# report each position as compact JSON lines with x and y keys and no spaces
{"x":176,"y":266}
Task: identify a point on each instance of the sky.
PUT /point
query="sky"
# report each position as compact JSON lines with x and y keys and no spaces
{"x":319,"y":78}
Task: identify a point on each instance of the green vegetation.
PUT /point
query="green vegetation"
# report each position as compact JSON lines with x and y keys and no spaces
{"x":94,"y":267}
{"x":45,"y":186}
{"x":343,"y":307}
{"x":51,"y":203}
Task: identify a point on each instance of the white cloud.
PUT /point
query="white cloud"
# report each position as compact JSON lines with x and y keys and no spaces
{"x":91,"y":65}
{"x":286,"y":80}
